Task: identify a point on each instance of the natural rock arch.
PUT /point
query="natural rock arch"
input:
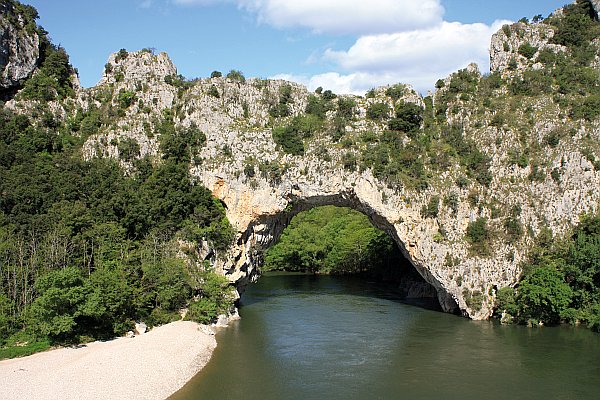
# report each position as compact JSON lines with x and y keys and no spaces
{"x":261,"y":213}
{"x":262,"y":185}
{"x":266,"y":229}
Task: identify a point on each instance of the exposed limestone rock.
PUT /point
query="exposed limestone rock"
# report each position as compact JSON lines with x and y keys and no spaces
{"x":19,"y":49}
{"x":505,"y":45}
{"x":238,"y":130}
{"x":596,"y":5}
{"x":140,"y":328}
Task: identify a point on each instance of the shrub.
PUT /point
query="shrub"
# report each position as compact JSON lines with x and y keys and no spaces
{"x":214,"y":92}
{"x":527,"y":50}
{"x":395,"y":91}
{"x":125,"y":98}
{"x":544,"y":295}
{"x":378,"y":112}
{"x":451,"y":201}
{"x":216,"y":74}
{"x":409,"y":117}
{"x":345,"y":108}
{"x":236,"y":75}
{"x":128,"y":148}
{"x":432,"y":208}
{"x":474,"y":299}
{"x":478,"y":236}
{"x":121,"y":55}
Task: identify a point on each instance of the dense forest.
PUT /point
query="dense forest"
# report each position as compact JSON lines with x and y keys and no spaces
{"x":86,"y":247}
{"x":332,"y":240}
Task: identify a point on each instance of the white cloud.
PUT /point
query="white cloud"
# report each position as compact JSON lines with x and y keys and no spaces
{"x":339,"y":16}
{"x":347,"y":16}
{"x":418,"y":57}
{"x":398,"y":40}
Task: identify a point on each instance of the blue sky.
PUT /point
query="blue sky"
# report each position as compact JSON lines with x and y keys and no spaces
{"x":348,"y":46}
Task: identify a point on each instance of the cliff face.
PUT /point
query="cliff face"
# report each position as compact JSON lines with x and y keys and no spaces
{"x":19,"y":48}
{"x":489,"y":151}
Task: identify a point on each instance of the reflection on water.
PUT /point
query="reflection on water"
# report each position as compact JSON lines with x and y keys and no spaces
{"x":320,"y":337}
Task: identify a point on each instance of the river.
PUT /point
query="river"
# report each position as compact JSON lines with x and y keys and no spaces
{"x":322,"y":337}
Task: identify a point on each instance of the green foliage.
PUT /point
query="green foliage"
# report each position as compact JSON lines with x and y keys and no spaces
{"x":561,"y":281}
{"x":476,"y":162}
{"x":543,"y":295}
{"x":291,"y":137}
{"x":216,"y":74}
{"x":236,"y":75}
{"x":331,"y":240}
{"x":378,"y":112}
{"x":474,"y":299}
{"x":61,"y":295}
{"x":21,"y":345}
{"x":527,"y":50}
{"x":395,"y":91}
{"x":213,"y":91}
{"x":282,"y":109}
{"x":121,"y":55}
{"x":345,"y":108}
{"x":478,"y":235}
{"x":180,"y":144}
{"x":506,"y":301}
{"x":532,"y":83}
{"x":587,"y":108}
{"x":88,"y":249}
{"x":53,"y":81}
{"x":216,"y":298}
{"x":409,"y":117}
{"x":272,"y":171}
{"x":432,"y":208}
{"x":179,"y":82}
{"x":125,"y":98}
{"x":129,"y":149}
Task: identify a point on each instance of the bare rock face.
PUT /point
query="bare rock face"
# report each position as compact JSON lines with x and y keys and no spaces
{"x":596,"y":5}
{"x":19,"y":49}
{"x":507,"y":46}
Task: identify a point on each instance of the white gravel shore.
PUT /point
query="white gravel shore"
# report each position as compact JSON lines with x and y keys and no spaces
{"x":150,"y":366}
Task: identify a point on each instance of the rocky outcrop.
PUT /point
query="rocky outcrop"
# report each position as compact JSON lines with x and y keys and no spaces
{"x":596,"y":5}
{"x":506,"y":51}
{"x":19,"y":49}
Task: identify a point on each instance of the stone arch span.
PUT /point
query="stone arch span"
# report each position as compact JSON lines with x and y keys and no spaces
{"x":260,"y":210}
{"x":267,"y":229}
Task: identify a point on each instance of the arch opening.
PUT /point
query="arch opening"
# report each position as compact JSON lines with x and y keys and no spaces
{"x":413,"y":281}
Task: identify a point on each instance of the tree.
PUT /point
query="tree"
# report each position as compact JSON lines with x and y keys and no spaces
{"x":216,"y":74}
{"x":236,"y":75}
{"x":544,"y":295}
{"x":378,"y":112}
{"x":54,"y":313}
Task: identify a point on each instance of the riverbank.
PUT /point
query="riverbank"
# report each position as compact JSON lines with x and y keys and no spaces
{"x":150,"y":366}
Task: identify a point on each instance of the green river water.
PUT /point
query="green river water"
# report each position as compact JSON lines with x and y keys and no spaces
{"x":322,"y":337}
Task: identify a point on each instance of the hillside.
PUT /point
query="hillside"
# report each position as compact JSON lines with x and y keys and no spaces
{"x":466,"y":180}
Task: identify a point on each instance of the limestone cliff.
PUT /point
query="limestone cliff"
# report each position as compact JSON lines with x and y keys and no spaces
{"x":19,"y":48}
{"x":487,"y":150}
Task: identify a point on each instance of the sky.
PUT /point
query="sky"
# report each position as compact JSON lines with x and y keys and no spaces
{"x":347,"y":46}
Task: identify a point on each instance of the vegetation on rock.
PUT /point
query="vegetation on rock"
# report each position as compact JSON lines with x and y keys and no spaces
{"x":561,"y":280}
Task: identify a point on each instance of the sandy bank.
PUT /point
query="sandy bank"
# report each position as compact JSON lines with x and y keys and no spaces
{"x":149,"y":366}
